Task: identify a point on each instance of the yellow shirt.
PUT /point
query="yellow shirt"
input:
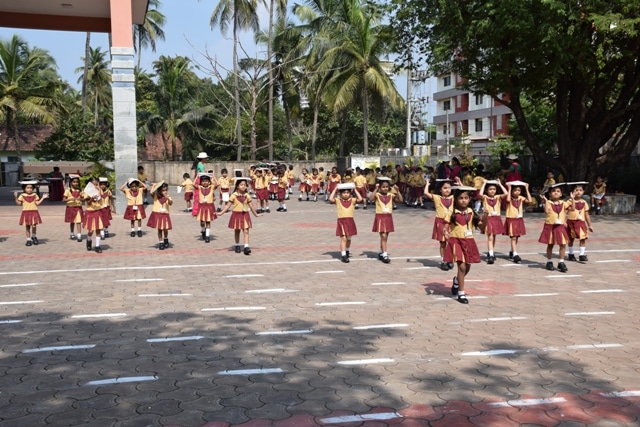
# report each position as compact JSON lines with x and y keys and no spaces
{"x":348,"y":179}
{"x":283,"y":182}
{"x":487,"y":205}
{"x":133,"y":199}
{"x":443,"y":205}
{"x":206,"y":195}
{"x":73,"y":197}
{"x":160,"y":205}
{"x":384,"y":203}
{"x":463,"y":229}
{"x":29,"y":201}
{"x":240,"y":202}
{"x":321,"y":176}
{"x":360,"y":181}
{"x":514,"y":208}
{"x":556,"y":212}
{"x":345,"y":208}
{"x":188,"y":185}
{"x":225,"y":183}
{"x":579,"y":212}
{"x":335,"y":178}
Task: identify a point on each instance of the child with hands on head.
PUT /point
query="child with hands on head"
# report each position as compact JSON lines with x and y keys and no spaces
{"x":514,"y":223}
{"x":240,"y":204}
{"x":74,"y":214}
{"x":159,"y":218}
{"x":384,"y":197}
{"x":206,"y":208}
{"x":345,"y":206}
{"x":555,"y":230}
{"x":135,"y":206}
{"x":443,"y":203}
{"x":30,"y":217}
{"x":491,"y":203}
{"x":578,"y":221}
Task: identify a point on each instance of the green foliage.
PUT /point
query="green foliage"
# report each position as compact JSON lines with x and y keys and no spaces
{"x":77,"y":138}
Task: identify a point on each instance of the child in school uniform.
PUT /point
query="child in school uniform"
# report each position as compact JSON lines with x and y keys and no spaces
{"x":322,"y":177}
{"x":74,"y":214}
{"x":305,"y":184}
{"x":578,"y":221}
{"x":160,"y":218}
{"x":514,"y":223}
{"x":346,"y":227}
{"x":444,"y":206}
{"x":598,"y":194}
{"x":555,"y":229}
{"x":93,"y":222}
{"x":384,"y":196}
{"x":224,"y":184}
{"x":291,"y":177}
{"x":134,"y":212}
{"x":187,"y":185}
{"x":262,"y":177}
{"x":315,"y":180}
{"x":206,"y":208}
{"x":461,"y":246}
{"x":491,"y":202}
{"x":333,"y":179}
{"x":361,"y":186}
{"x":273,"y":184}
{"x":240,"y":204}
{"x":107,"y":206}
{"x":283,"y":184}
{"x":30,"y":217}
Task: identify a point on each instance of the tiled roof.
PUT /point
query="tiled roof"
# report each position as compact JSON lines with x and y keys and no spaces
{"x":30,"y":136}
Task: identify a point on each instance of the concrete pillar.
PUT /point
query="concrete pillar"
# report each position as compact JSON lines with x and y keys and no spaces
{"x":124,"y":97}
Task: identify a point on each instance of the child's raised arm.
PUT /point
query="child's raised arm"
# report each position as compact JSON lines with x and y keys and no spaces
{"x":398,"y":196}
{"x":44,"y":196}
{"x":526,"y":188}
{"x":427,"y":193}
{"x":332,"y":196}
{"x":372,"y":196}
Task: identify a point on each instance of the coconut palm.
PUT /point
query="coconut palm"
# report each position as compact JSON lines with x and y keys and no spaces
{"x":98,"y":78}
{"x":146,"y":34}
{"x":241,"y":15}
{"x":28,"y":79}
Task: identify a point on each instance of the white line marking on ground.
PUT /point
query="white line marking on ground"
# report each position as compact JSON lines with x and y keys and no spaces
{"x":562,"y":276}
{"x":490,"y":352}
{"x":165,"y":295}
{"x":366,"y":361}
{"x":359,"y":418}
{"x":496,"y":319}
{"x":418,"y":268}
{"x":248,"y":308}
{"x":299,"y":331}
{"x":590,"y":313}
{"x":327,"y":304}
{"x":87,"y":316}
{"x":139,"y":280}
{"x":329,"y":271}
{"x":536,"y":295}
{"x":528,"y":402}
{"x":58,"y":348}
{"x":20,"y":302}
{"x":598,"y":291}
{"x":388,"y":283}
{"x":239,"y":276}
{"x":251,"y":371}
{"x":629,"y":393}
{"x":386,"y":326}
{"x":172,"y":339}
{"x":122,"y":380}
{"x":266,"y":291}
{"x":614,"y":260}
{"x":588,"y":346}
{"x":6,"y":322}
{"x":17,"y":285}
{"x":467,"y":295}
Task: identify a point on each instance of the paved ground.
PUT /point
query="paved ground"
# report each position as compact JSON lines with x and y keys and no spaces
{"x":198,"y":335}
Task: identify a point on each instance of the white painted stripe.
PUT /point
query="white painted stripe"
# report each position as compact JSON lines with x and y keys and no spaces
{"x":122,"y":380}
{"x":235,"y":276}
{"x":630,"y":393}
{"x":366,"y":361}
{"x":233,"y":309}
{"x":589,"y":346}
{"x":536,"y":295}
{"x":590,"y":313}
{"x":598,"y":291}
{"x":562,"y":276}
{"x":329,"y":271}
{"x":171,"y":339}
{"x":388,"y":283}
{"x":139,"y":280}
{"x":496,"y":319}
{"x":528,"y":402}
{"x":389,"y":325}
{"x":87,"y":316}
{"x":358,"y":418}
{"x":251,"y":371}
{"x":327,"y":304}
{"x":20,"y":302}
{"x":58,"y":348}
{"x":6,"y":322}
{"x":17,"y":285}
{"x":454,"y":297}
{"x":418,"y":268}
{"x":165,"y":295}
{"x":265,"y":291}
{"x":490,"y":352}
{"x":299,"y":331}
{"x":614,"y":260}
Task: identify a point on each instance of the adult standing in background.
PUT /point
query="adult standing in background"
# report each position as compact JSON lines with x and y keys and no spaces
{"x":56,"y":184}
{"x":514,"y":172}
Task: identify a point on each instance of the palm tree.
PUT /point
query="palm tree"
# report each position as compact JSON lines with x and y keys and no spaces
{"x":242,"y":15}
{"x":87,"y":55}
{"x":98,"y":78}
{"x":281,"y":15}
{"x":28,"y":79}
{"x":146,"y":34}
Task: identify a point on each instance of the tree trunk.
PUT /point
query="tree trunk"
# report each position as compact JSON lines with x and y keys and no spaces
{"x":236,"y":92}
{"x":287,"y":116}
{"x":343,"y":134}
{"x":87,"y":52}
{"x":269,"y":54}
{"x":316,"y":109}
{"x":365,"y":120}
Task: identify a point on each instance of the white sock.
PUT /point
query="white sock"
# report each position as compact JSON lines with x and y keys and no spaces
{"x":490,"y":253}
{"x":550,"y":260}
{"x":284,"y":206}
{"x":570,"y":250}
{"x":460,"y":293}
{"x":207,"y":232}
{"x":246,"y":245}
{"x":97,"y":241}
{"x":133,"y":229}
{"x":139,"y":228}
{"x":102,"y":234}
{"x":515,"y":253}
{"x":343,"y":253}
{"x":583,"y":250}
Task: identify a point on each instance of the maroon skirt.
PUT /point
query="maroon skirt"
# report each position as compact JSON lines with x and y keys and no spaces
{"x":273,"y":188}
{"x":304,"y":187}
{"x":332,"y":186}
{"x":494,"y":225}
{"x":315,"y":188}
{"x":417,"y":192}
{"x":438,"y":229}
{"x":282,"y":192}
{"x":346,"y":227}
{"x":577,"y":229}
{"x":206,"y":212}
{"x":240,"y":221}
{"x":262,"y":194}
{"x":383,"y":223}
{"x":461,"y":250}
{"x":30,"y":218}
{"x":554,"y":234}
{"x":92,"y":220}
{"x":106,"y":216}
{"x":362,"y":191}
{"x":159,"y":220}
{"x":133,"y":214}
{"x":514,"y":227}
{"x":74,"y":214}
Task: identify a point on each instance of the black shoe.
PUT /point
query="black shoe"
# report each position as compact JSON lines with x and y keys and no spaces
{"x":344,"y":259}
{"x":106,"y":234}
{"x":348,"y":254}
{"x":132,"y":234}
{"x":279,"y":209}
{"x":98,"y":250}
{"x":161,"y":246}
{"x":549,"y":266}
{"x":444,"y":266}
{"x":139,"y":233}
{"x":510,"y":254}
{"x":450,"y":265}
{"x":238,"y":249}
{"x":517,"y":259}
{"x":88,"y":244}
{"x":454,"y":287}
{"x":218,"y":210}
{"x":386,"y":259}
{"x":307,"y":198}
{"x":247,"y":250}
{"x":284,"y":209}
{"x":571,"y":257}
{"x":267,"y":210}
{"x":258,"y":210}
{"x":165,"y":243}
{"x":364,"y":207}
{"x":29,"y":243}
{"x":79,"y":238}
{"x":35,"y":240}
{"x":380,"y":256}
{"x":491,"y":259}
{"x":72,"y":237}
{"x":562,"y":267}
{"x":463,"y":299}
{"x":598,"y":211}
{"x":583,"y":258}
{"x":207,"y":239}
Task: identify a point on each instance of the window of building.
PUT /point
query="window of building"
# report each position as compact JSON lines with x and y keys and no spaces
{"x":478,"y":125}
{"x":479,"y":99}
{"x":444,"y":129}
{"x":499,"y":123}
{"x":446,"y":105}
{"x":447,"y":81}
